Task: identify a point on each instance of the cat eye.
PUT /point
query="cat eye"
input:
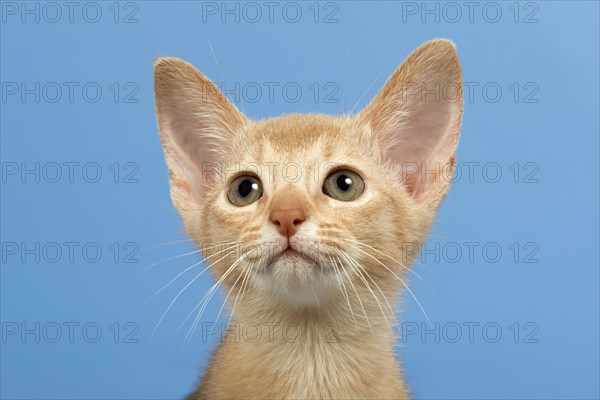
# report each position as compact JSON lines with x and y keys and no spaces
{"x":244,"y":190}
{"x":344,"y":185}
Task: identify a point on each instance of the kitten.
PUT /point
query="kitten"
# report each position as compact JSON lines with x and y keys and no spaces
{"x":322,"y":246}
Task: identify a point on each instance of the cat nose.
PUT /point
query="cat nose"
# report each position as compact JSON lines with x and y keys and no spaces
{"x":287,"y":221}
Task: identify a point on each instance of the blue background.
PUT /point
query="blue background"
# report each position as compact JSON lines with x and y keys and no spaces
{"x":551,"y":211}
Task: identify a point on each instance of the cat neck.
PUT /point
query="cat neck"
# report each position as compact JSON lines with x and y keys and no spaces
{"x":342,"y":348}
{"x":343,"y":321}
{"x":307,"y":352}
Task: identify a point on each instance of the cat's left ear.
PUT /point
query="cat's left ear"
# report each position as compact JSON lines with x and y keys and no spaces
{"x":416,"y":119}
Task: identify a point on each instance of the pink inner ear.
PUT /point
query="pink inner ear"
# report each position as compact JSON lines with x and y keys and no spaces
{"x":417,"y":116}
{"x":196,"y":123}
{"x":181,"y":153}
{"x":425,"y":144}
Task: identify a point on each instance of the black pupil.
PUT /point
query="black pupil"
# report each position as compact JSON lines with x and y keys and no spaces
{"x":245,"y":188}
{"x":344,"y":182}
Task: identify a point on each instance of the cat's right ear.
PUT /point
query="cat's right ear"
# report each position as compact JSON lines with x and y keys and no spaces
{"x":197,"y":126}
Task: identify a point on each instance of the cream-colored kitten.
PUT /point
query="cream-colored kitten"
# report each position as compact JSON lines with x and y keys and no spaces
{"x":312,"y":213}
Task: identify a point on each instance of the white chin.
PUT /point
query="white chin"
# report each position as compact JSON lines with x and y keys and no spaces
{"x":299,"y":280}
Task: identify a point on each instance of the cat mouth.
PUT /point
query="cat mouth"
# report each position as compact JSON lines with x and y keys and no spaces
{"x":291,"y":257}
{"x":297,"y":274}
{"x":294,"y":257}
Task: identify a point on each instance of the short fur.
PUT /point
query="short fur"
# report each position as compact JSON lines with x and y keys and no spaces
{"x":343,"y":304}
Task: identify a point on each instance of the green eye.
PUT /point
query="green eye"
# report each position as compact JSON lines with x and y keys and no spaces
{"x":344,"y":185}
{"x":244,"y":190}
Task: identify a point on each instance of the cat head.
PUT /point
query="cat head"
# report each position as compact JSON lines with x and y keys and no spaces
{"x":295,"y":206}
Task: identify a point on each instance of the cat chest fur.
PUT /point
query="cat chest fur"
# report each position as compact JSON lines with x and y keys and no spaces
{"x":318,"y":363}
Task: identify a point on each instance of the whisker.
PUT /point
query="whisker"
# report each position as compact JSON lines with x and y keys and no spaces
{"x":229,"y":293}
{"x":172,"y":258}
{"x":378,"y":288}
{"x":165,"y":244}
{"x":414,"y":260}
{"x":168,"y":206}
{"x":227,"y":244}
{"x":360,"y":274}
{"x":187,"y":269}
{"x":242,"y":290}
{"x":339,"y":278}
{"x":386,"y":255}
{"x":357,"y":295}
{"x":401,"y":264}
{"x":213,"y":289}
{"x":173,"y":280}
{"x":182,"y":290}
{"x":401,"y":281}
{"x":410,"y":270}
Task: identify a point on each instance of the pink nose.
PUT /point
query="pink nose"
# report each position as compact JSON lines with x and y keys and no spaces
{"x":287,"y":221}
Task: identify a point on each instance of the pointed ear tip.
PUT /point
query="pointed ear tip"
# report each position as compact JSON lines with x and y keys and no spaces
{"x":442,"y":49}
{"x":441,"y":42}
{"x":166,"y":62}
{"x":441,"y":45}
{"x":168,"y":68}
